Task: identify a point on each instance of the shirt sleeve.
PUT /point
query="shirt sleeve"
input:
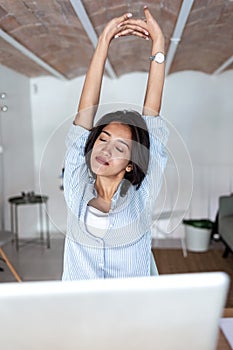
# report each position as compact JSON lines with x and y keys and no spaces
{"x":75,"y":159}
{"x":158,"y":133}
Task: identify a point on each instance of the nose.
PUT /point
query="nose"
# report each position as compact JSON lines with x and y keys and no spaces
{"x":107,"y":149}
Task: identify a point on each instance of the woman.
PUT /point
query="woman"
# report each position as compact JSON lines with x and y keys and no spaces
{"x":113,"y":171}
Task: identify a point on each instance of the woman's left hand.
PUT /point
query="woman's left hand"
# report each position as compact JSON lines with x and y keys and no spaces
{"x":147,"y":29}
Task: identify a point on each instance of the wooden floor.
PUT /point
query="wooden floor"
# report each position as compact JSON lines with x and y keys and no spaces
{"x":170,"y":261}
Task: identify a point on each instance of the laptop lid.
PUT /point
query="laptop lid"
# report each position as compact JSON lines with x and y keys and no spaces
{"x":167,"y":312}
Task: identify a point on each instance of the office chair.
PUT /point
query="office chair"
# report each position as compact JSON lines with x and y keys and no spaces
{"x":225,"y":222}
{"x":5,"y":237}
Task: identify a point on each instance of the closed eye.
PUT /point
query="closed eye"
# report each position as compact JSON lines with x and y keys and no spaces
{"x":103,"y":140}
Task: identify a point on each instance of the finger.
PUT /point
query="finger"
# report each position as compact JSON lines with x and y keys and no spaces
{"x":123,"y":33}
{"x":135,"y":28}
{"x":147,"y":12}
{"x":140,"y":35}
{"x":133,"y":21}
{"x":150,"y":19}
{"x":125,"y":17}
{"x":112,"y":26}
{"x":128,"y":32}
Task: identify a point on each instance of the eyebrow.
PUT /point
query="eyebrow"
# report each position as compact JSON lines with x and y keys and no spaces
{"x":120,"y":140}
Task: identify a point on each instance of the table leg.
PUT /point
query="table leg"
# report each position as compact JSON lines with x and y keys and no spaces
{"x":184,"y":248}
{"x":47,"y":225}
{"x":12,"y":220}
{"x":41,"y":223}
{"x":16,"y":228}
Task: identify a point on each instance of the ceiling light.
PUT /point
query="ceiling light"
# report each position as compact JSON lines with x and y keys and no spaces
{"x":4,"y":108}
{"x":2,"y":95}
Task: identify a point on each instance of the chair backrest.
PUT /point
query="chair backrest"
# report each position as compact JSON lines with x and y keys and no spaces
{"x":225,"y":205}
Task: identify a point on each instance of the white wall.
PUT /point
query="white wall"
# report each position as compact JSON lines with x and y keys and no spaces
{"x":206,"y":124}
{"x":17,"y":141}
{"x":197,"y":106}
{"x":199,"y":110}
{"x":200,"y":107}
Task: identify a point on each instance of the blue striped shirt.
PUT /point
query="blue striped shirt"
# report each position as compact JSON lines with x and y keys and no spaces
{"x":125,"y":249}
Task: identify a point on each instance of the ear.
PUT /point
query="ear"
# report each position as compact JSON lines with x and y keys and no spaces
{"x":129,"y":168}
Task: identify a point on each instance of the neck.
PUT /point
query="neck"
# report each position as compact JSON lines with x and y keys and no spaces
{"x":106,"y":187}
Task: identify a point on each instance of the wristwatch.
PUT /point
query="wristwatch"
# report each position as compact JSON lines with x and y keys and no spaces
{"x":159,"y":57}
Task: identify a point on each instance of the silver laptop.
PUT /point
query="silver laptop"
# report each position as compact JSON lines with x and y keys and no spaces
{"x":166,"y":312}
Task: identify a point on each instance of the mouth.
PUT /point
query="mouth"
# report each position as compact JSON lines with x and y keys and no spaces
{"x":101,"y":161}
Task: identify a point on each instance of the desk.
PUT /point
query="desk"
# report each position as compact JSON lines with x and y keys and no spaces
{"x":26,"y":200}
{"x":222,"y":342}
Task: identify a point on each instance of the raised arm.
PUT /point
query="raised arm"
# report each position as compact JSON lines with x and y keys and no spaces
{"x":154,"y":90}
{"x":153,"y":96}
{"x":89,"y":100}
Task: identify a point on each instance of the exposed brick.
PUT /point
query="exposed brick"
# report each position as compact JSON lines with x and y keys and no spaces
{"x":12,"y":58}
{"x":51,"y":30}
{"x":3,"y":13}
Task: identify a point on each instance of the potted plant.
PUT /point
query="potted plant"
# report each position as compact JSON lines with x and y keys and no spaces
{"x":197,"y":234}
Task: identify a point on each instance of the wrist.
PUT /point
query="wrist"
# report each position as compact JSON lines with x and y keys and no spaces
{"x":158,"y":45}
{"x":104,"y":41}
{"x":102,"y":47}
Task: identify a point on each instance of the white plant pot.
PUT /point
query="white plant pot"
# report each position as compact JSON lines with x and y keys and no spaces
{"x":197,"y":239}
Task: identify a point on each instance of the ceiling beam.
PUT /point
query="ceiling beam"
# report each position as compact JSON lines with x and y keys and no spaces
{"x":177,"y":34}
{"x":226,"y":64}
{"x":30,"y":55}
{"x":88,"y":27}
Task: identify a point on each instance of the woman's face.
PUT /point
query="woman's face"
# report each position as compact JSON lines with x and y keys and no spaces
{"x":112,"y":150}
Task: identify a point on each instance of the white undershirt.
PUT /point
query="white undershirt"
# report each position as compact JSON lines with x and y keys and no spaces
{"x":96,"y":221}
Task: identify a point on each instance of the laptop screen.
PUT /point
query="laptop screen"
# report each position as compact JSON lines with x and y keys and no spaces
{"x":165,"y":312}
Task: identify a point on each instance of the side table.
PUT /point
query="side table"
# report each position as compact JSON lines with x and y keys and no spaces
{"x":41,"y":200}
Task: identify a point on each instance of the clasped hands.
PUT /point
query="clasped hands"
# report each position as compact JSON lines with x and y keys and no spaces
{"x":126,"y":25}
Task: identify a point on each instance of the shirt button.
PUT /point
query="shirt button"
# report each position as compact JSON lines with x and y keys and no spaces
{"x":101,"y":265}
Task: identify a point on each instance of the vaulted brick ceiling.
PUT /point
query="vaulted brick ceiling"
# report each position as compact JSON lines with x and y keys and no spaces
{"x":52,"y":31}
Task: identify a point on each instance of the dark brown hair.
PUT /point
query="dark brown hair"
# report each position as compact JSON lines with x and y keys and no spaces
{"x":140,"y":146}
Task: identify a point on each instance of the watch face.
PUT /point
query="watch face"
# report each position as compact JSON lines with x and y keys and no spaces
{"x":159,"y":57}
